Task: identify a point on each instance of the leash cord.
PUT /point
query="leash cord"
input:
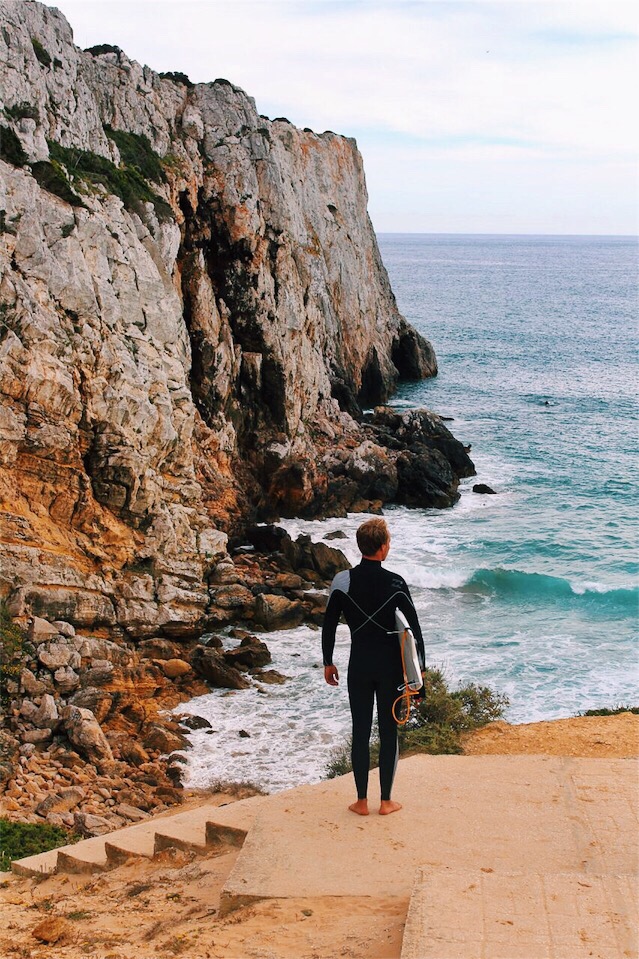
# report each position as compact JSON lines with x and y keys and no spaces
{"x":406,"y":692}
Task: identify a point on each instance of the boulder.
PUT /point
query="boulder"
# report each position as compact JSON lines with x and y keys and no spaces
{"x":132,"y":751}
{"x":89,"y":825}
{"x":194,"y":722}
{"x":46,"y":716}
{"x":267,"y":539}
{"x":278,"y":612}
{"x":9,"y":755}
{"x":66,"y":679}
{"x":85,"y":733}
{"x":209,"y":665}
{"x":59,"y":802}
{"x":232,"y":597}
{"x":174,"y":668}
{"x":97,"y":700}
{"x":426,"y":480}
{"x":328,"y":561}
{"x":163,"y":740}
{"x":158,"y":648}
{"x":52,"y":929}
{"x":36,"y":735}
{"x":269,"y":676}
{"x":30,"y":684}
{"x":57,"y":655}
{"x":41,"y":631}
{"x":132,"y":813}
{"x":250,"y":653}
{"x":483,"y":488}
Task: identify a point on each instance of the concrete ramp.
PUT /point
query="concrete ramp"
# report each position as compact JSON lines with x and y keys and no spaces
{"x":464,"y":915}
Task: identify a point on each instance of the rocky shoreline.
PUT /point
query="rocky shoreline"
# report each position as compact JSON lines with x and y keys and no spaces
{"x":88,"y":742}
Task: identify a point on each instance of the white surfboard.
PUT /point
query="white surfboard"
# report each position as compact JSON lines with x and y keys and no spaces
{"x":411,"y":659}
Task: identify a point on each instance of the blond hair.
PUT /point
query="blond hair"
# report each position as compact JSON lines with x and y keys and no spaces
{"x":372,"y":535}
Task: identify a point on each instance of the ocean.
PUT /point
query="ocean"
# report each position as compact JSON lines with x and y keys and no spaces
{"x":533,"y":591}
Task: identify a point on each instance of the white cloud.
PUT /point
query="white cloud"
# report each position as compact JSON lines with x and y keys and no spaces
{"x":552,"y":79}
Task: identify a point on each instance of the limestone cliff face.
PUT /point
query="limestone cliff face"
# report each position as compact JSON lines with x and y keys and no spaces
{"x":193,"y":311}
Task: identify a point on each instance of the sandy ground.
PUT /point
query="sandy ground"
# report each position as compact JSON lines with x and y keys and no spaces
{"x":168,"y":906}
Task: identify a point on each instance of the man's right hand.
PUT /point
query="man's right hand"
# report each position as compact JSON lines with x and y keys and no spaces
{"x":331,"y":675}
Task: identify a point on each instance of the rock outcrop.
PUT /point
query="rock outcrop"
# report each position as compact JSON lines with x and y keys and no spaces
{"x":193,"y":313}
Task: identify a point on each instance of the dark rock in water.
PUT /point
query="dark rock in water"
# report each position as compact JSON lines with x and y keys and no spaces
{"x":209,"y":665}
{"x":304,"y":555}
{"x":267,"y":539}
{"x":482,"y":488}
{"x":251,"y":653}
{"x":426,"y":479}
{"x":447,"y":419}
{"x":269,"y":676}
{"x":336,"y":534}
{"x":243,"y":734}
{"x":428,"y":459}
{"x":277,"y":612}
{"x":163,"y":740}
{"x":195,"y":722}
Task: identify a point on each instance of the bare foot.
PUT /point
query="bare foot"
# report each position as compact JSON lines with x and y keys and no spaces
{"x":387,"y":806}
{"x":360,"y":807}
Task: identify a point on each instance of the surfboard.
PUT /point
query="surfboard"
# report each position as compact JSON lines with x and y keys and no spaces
{"x":411,"y":659}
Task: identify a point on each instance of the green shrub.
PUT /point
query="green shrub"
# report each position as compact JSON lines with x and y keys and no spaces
{"x":101,"y":48}
{"x":20,"y":839}
{"x":177,"y":77}
{"x":611,"y":712}
{"x":42,"y":55}
{"x":14,"y":648}
{"x":22,"y":111}
{"x":10,"y":148}
{"x":137,"y":154}
{"x":92,"y":170}
{"x":51,"y":177}
{"x":437,"y":724}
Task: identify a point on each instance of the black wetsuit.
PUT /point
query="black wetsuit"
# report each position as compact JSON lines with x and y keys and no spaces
{"x":368,"y":596}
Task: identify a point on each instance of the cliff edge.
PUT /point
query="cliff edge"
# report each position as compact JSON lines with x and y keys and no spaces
{"x":193,"y":313}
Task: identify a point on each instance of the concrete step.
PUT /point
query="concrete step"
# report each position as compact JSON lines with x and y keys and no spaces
{"x":498,"y":814}
{"x":203,"y":829}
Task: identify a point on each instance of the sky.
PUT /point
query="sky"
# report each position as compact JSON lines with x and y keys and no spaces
{"x":472,"y":117}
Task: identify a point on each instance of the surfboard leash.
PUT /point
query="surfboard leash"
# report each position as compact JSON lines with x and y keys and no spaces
{"x":403,"y":703}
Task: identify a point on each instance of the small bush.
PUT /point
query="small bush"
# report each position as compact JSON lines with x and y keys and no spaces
{"x":11,"y":150}
{"x":101,"y":48}
{"x":14,"y":649}
{"x":20,"y":839}
{"x":611,"y":712}
{"x":42,"y":55}
{"x":51,"y":177}
{"x":137,"y":153}
{"x":177,"y":77}
{"x":22,"y":111}
{"x":437,"y":724}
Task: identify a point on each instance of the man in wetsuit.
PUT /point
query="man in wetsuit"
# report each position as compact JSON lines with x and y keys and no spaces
{"x":368,"y":596}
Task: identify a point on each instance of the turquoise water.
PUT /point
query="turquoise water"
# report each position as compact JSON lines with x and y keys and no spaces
{"x":532,"y":591}
{"x":536,"y":342}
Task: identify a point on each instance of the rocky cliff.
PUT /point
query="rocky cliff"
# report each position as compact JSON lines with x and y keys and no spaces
{"x":193,"y":312}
